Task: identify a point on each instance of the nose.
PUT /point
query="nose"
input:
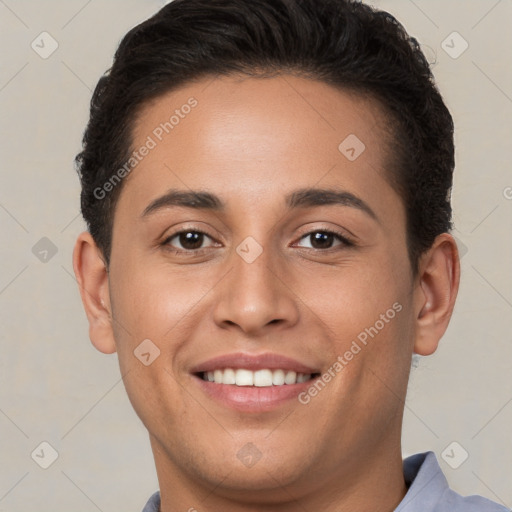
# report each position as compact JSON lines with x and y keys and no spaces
{"x":255,"y":295}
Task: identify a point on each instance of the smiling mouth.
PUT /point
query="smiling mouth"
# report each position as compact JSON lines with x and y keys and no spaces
{"x":259,"y":378}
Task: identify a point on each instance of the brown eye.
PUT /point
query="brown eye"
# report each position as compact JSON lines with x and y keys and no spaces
{"x":189,"y":240}
{"x":321,"y":240}
{"x":324,"y":239}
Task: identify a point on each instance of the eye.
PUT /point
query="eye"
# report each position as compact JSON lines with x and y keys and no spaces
{"x":190,"y":240}
{"x":323,"y":239}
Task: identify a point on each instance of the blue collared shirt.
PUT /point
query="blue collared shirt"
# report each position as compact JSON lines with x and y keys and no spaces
{"x":428,"y":491}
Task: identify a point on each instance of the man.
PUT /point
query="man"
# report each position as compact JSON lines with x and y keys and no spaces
{"x":267,"y":190}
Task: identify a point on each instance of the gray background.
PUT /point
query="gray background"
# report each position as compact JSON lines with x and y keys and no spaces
{"x":55,"y":387}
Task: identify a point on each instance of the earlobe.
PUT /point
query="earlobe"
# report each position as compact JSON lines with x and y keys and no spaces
{"x":439,"y":275}
{"x":92,"y":277}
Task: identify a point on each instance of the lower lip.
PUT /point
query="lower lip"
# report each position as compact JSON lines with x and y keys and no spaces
{"x":252,"y":398}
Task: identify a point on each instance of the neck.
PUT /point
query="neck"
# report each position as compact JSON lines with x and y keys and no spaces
{"x":370,"y":480}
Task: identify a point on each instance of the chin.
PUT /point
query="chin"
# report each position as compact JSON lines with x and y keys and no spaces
{"x":262,"y":484}
{"x":252,"y":476}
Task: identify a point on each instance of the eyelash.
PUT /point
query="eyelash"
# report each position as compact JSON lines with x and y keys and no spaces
{"x":346,"y":242}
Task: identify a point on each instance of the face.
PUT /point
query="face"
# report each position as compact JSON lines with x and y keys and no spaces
{"x":259,"y":274}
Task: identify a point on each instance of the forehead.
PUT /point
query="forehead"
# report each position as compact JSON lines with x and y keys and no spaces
{"x":252,"y":137}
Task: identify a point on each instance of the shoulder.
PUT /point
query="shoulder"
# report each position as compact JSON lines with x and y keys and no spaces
{"x":454,"y":502}
{"x":429,"y":490}
{"x":153,"y":504}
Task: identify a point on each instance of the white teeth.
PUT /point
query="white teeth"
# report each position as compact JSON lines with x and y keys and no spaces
{"x":278,"y":377}
{"x":290,"y":378}
{"x":259,"y":378}
{"x":263,"y":378}
{"x":229,"y":377}
{"x":243,"y":378}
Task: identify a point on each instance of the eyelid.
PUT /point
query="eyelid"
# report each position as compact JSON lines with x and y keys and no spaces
{"x":342,"y":233}
{"x":186,"y":227}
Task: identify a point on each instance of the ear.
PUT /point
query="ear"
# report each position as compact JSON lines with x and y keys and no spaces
{"x":435,"y":293}
{"x":92,"y":277}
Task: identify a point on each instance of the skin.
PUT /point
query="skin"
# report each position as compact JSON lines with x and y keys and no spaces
{"x":251,"y":142}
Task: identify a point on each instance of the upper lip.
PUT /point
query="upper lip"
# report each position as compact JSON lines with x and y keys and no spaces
{"x":253,"y":362}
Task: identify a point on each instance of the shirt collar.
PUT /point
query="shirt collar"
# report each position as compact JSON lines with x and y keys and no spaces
{"x":425,"y":481}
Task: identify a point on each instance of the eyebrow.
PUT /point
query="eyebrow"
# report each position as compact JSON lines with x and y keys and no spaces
{"x":302,"y":198}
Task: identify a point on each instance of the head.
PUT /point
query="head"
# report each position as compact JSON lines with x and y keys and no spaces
{"x":291,"y":119}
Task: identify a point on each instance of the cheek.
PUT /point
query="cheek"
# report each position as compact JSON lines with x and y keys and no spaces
{"x":353,"y":298}
{"x":375,"y":356}
{"x":150,"y":318}
{"x":149,"y":300}
{"x":367,"y":313}
{"x":161,"y":306}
